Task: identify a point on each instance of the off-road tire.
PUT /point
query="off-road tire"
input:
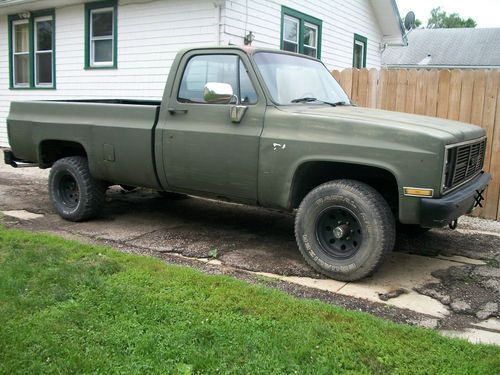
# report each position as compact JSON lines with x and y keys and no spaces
{"x":375,"y":227}
{"x":75,"y":194}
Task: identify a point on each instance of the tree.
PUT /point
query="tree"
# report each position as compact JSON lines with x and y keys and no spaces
{"x":441,"y":20}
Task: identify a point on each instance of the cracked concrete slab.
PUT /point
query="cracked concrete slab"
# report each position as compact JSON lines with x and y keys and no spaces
{"x":402,"y":271}
{"x":477,"y":336}
{"x":22,"y":214}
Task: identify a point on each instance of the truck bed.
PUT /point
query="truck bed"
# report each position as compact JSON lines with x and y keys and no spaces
{"x":116,"y":134}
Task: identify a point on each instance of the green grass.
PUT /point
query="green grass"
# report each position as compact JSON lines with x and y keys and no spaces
{"x":72,"y":308}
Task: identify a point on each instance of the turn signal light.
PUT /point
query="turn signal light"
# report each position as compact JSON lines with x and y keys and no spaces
{"x":418,"y":192}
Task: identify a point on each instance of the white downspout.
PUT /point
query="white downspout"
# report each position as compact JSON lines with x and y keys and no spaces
{"x":218,"y":18}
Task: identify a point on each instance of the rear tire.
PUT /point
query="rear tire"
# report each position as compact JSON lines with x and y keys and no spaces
{"x":75,"y":194}
{"x":345,"y":229}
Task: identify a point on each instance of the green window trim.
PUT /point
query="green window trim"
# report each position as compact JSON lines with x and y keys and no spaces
{"x":31,"y":50}
{"x":363,"y":40}
{"x":303,"y":19}
{"x":89,"y":7}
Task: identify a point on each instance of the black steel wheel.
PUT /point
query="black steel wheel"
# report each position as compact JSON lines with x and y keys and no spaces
{"x":339,"y":232}
{"x":67,"y":190}
{"x":75,"y":194}
{"x":345,"y":229}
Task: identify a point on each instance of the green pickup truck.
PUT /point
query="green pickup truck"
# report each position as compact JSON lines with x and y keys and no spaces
{"x":266,"y":128}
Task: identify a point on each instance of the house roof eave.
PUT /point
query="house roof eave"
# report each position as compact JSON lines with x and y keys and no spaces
{"x":390,"y":23}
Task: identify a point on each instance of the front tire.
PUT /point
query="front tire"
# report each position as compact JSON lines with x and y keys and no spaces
{"x":75,"y":194}
{"x":345,"y":229}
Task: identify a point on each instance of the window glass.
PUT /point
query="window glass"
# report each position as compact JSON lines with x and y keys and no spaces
{"x":207,"y":68}
{"x":102,"y":23}
{"x":43,"y":51}
{"x":247,"y":92}
{"x":310,"y":39}
{"x":359,"y":52}
{"x":290,"y":34}
{"x":21,"y":53}
{"x":21,"y":37}
{"x":291,"y":77}
{"x":101,"y":37}
{"x":44,"y":35}
{"x":44,"y":69}
{"x":358,"y":55}
{"x":103,"y":51}
{"x":21,"y":69}
{"x":215,"y":68}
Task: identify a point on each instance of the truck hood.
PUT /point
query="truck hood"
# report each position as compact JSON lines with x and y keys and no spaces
{"x":447,"y":130}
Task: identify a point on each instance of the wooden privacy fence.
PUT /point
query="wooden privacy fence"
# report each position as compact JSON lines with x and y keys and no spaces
{"x":471,"y":96}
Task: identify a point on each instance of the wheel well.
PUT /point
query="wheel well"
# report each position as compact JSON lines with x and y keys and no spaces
{"x":52,"y":150}
{"x":312,"y":174}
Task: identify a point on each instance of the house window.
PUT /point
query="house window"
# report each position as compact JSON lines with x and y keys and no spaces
{"x":32,"y":47}
{"x":100,"y":38}
{"x":300,"y":33}
{"x":359,"y":52}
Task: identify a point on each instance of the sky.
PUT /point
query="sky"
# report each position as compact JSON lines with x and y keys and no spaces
{"x":485,"y":12}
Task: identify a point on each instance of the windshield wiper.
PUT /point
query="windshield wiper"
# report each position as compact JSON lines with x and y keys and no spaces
{"x":308,"y":99}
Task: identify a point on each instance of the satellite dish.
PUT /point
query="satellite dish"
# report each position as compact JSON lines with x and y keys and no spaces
{"x":409,"y":20}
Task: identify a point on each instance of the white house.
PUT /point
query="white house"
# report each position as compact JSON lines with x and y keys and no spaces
{"x":67,"y":49}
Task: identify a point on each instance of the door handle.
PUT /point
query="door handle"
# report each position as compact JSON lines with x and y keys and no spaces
{"x":174,"y":111}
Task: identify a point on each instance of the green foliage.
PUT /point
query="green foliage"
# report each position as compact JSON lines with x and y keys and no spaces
{"x":72,"y":308}
{"x":441,"y":20}
{"x":212,"y":253}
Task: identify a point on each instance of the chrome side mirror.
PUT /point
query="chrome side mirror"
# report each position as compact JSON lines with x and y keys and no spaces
{"x":217,"y":93}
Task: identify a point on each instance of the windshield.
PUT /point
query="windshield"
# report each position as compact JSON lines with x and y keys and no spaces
{"x":293,"y":79}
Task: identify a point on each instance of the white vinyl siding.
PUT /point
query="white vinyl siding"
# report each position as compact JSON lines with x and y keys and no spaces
{"x":341,"y":19}
{"x":145,"y":52}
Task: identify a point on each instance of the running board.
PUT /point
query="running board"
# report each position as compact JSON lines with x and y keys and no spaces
{"x":11,"y":160}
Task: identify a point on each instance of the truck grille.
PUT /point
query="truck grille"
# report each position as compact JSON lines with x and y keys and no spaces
{"x":463,"y":163}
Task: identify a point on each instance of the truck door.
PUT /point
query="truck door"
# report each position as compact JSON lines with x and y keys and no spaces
{"x":204,"y":149}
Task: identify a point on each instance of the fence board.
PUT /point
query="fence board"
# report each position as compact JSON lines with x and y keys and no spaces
{"x":466,"y":96}
{"x":346,"y":81}
{"x":478,"y":92}
{"x":354,"y":90}
{"x":373,"y":78}
{"x":443,"y":93}
{"x":411,"y":91}
{"x":432,"y":92}
{"x":402,"y":86}
{"x":421,"y":92}
{"x":455,"y":94}
{"x":381,"y":92}
{"x":494,"y":188}
{"x":362,"y":88}
{"x":471,"y":96}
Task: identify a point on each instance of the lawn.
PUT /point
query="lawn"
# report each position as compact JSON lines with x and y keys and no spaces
{"x":66,"y":307}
